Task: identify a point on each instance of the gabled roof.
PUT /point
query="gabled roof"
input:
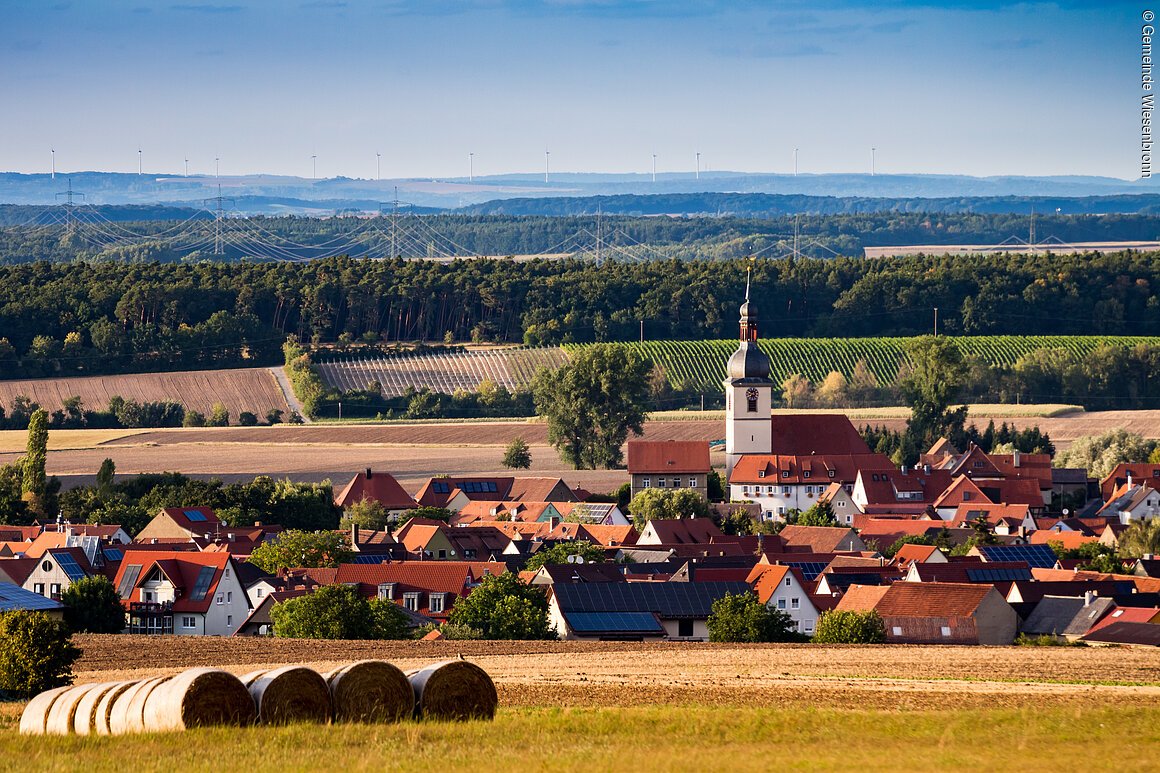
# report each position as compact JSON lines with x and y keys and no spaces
{"x":577,"y":573}
{"x":993,"y":513}
{"x":962,"y":489}
{"x":994,"y":572}
{"x":437,"y":492}
{"x":668,"y":456}
{"x":784,"y":469}
{"x":1141,"y":473}
{"x":820,"y":539}
{"x":910,"y":553}
{"x":915,"y":599}
{"x":13,"y":598}
{"x":862,"y":598}
{"x":72,"y":561}
{"x":541,"y":490}
{"x":198,"y":520}
{"x":1070,"y":540}
{"x":183,"y":568}
{"x":821,"y":433}
{"x":679,"y":531}
{"x":976,"y":463}
{"x":1128,"y":615}
{"x":1138,"y":634}
{"x":885,"y":487}
{"x":667,"y":599}
{"x":611,"y":536}
{"x":453,"y":577}
{"x":1013,"y":491}
{"x":380,"y":487}
{"x":17,"y":570}
{"x":1065,"y":615}
{"x":1036,"y":556}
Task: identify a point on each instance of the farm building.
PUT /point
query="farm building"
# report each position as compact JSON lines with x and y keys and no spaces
{"x":937,"y":613}
{"x":378,"y":487}
{"x":636,"y":611}
{"x":669,"y":464}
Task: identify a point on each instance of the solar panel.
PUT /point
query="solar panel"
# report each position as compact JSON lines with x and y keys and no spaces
{"x":809,"y":569}
{"x":998,"y":575}
{"x":70,"y":566}
{"x":194,"y":515}
{"x":201,"y":587}
{"x":114,"y":554}
{"x":373,"y":558}
{"x":128,"y":580}
{"x":614,"y":622}
{"x":1037,"y":556}
{"x":441,"y":488}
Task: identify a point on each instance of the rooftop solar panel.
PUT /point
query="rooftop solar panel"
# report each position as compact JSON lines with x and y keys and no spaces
{"x":440,"y":488}
{"x":809,"y":569}
{"x":998,"y":575}
{"x":373,"y":558}
{"x":194,"y":515}
{"x":128,"y":580}
{"x":13,"y":597}
{"x":201,"y":586}
{"x":614,"y":622}
{"x":1037,"y":556}
{"x":113,"y":554}
{"x":69,"y":566}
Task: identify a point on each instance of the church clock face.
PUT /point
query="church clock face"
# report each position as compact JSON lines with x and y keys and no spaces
{"x":751,"y":399}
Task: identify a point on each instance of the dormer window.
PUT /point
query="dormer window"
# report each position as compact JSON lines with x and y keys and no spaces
{"x":387,"y":591}
{"x":831,"y":473}
{"x":806,"y":474}
{"x":761,"y":473}
{"x":785,"y":473}
{"x":966,"y":496}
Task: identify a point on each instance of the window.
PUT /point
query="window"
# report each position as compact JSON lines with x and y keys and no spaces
{"x":745,"y":491}
{"x":387,"y":591}
{"x":781,"y":603}
{"x":46,"y":566}
{"x":831,"y":473}
{"x":221,"y":599}
{"x":411,"y":601}
{"x":896,"y":630}
{"x":442,"y":553}
{"x":761,"y":473}
{"x":147,"y":596}
{"x":229,"y":621}
{"x":684,"y":628}
{"x":258,"y":592}
{"x":785,"y":491}
{"x":661,"y":482}
{"x":229,"y":597}
{"x":805,"y":473}
{"x":795,"y":603}
{"x":692,"y":483}
{"x":787,"y":581}
{"x":785,"y":473}
{"x":646,"y":482}
{"x":676,"y":482}
{"x":38,"y":588}
{"x":781,"y":511}
{"x":978,"y":462}
{"x":946,"y":630}
{"x":188,"y":622}
{"x":436,"y":602}
{"x":966,"y":496}
{"x":841,"y":503}
{"x":54,"y":590}
{"x":809,"y":491}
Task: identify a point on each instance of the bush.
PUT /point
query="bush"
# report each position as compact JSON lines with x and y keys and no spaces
{"x":93,"y":606}
{"x":450,"y":631}
{"x":247,"y":419}
{"x":337,"y":612}
{"x":36,"y":654}
{"x":517,"y":455}
{"x":743,"y":618}
{"x":503,"y":607}
{"x":842,"y":627}
{"x":1045,"y":640}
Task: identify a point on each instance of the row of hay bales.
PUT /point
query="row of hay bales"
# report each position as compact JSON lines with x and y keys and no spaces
{"x":366,"y":691}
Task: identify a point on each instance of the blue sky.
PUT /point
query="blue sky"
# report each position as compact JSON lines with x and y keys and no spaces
{"x":978,"y":88}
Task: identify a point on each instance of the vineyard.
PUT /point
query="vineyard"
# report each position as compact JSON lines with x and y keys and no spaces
{"x":444,"y":372}
{"x":693,"y":366}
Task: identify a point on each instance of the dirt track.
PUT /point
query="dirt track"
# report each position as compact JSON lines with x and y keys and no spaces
{"x":603,"y":674}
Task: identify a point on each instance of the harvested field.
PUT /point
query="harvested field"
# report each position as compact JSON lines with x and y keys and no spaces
{"x":239,"y":389}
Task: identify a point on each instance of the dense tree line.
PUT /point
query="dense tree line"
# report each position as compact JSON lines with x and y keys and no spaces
{"x":60,"y":318}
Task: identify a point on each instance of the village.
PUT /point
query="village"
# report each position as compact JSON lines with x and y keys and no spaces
{"x":965,"y":547}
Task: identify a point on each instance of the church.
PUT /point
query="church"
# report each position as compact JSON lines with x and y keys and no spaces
{"x":782,"y":461}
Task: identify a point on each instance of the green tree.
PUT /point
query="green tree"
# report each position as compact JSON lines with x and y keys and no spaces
{"x":366,"y":514}
{"x":503,"y":607}
{"x":517,"y":455}
{"x":907,"y":539}
{"x":247,"y":419}
{"x":36,"y":653}
{"x":844,"y":627}
{"x":743,"y":618}
{"x":105,"y":475}
{"x":821,"y":514}
{"x":431,"y":513}
{"x":293,"y":548}
{"x":274,"y":416}
{"x":1140,"y":538}
{"x":34,"y":482}
{"x":738,"y":522}
{"x":593,"y":403}
{"x":1099,"y":454}
{"x":331,"y":612}
{"x":388,"y":620}
{"x":93,"y":606}
{"x":219,"y":416}
{"x":193,"y":419}
{"x":562,"y":551}
{"x":930,"y":389}
{"x":714,"y":486}
{"x":666,"y":504}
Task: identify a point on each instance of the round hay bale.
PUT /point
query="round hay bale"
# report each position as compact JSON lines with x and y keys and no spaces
{"x":85,"y":716}
{"x":64,"y":708}
{"x":103,"y":714}
{"x":125,"y":715}
{"x":289,"y":694}
{"x":199,"y":697}
{"x":370,"y":691}
{"x":453,"y":690}
{"x":136,"y":709}
{"x":35,"y":715}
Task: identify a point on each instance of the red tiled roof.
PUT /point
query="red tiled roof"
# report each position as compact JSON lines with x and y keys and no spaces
{"x":862,"y":598}
{"x":18,"y":569}
{"x":883,"y":486}
{"x":1069,"y":539}
{"x":378,"y":486}
{"x":811,"y":468}
{"x":766,"y":578}
{"x":915,"y":599}
{"x":818,"y":539}
{"x":1141,"y":473}
{"x":1128,"y":615}
{"x":541,"y":490}
{"x":962,"y":489}
{"x":429,"y":497}
{"x":182,"y":568}
{"x":668,"y":456}
{"x":821,"y":433}
{"x":683,"y":531}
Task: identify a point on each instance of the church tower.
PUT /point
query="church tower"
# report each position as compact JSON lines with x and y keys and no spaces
{"x":748,"y":394}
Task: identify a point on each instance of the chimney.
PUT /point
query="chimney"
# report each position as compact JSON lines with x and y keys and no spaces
{"x":904,"y":469}
{"x":369,"y":473}
{"x":354,"y":536}
{"x":257,"y":524}
{"x":926,"y":469}
{"x":1129,"y":479}
{"x":1016,"y":457}
{"x":1088,"y":597}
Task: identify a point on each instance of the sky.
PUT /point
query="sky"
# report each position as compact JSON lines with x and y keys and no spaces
{"x":960,"y":87}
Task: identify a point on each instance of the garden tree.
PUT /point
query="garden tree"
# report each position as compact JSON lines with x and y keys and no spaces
{"x":562,"y":551}
{"x":293,"y":549}
{"x":219,"y":416}
{"x":105,"y":475}
{"x":450,"y":631}
{"x":844,"y":627}
{"x":36,"y":654}
{"x":92,"y":605}
{"x":908,"y":539}
{"x":503,"y":607}
{"x":714,"y":486}
{"x":820,"y":514}
{"x":834,"y":390}
{"x":1100,"y":454}
{"x":33,"y":482}
{"x":592,"y":404}
{"x":664,"y":504}
{"x":425,"y":511}
{"x":338,"y":612}
{"x":622,"y":495}
{"x":743,"y":618}
{"x":796,"y":391}
{"x":1140,"y":539}
{"x":930,"y":390}
{"x":366,"y":514}
{"x":737,"y":522}
{"x":517,"y":455}
{"x":984,"y":534}
{"x":247,"y":419}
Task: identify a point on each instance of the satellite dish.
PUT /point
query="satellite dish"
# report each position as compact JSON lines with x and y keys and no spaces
{"x":575,"y":559}
{"x":1066,"y":511}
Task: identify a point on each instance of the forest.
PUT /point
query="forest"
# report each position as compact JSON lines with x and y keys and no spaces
{"x":106,"y":317}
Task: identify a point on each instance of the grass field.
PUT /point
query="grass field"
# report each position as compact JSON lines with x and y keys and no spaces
{"x":608,"y":706}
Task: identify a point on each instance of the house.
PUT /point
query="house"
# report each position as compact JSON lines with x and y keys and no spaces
{"x":1033,"y":591}
{"x":1036,"y":556}
{"x":636,"y":611}
{"x":16,"y":570}
{"x":905,"y":491}
{"x":780,"y":483}
{"x":55,"y":570}
{"x":550,"y":574}
{"x":937,"y":613}
{"x":918,"y":554}
{"x":841,"y":500}
{"x":1132,"y":502}
{"x":378,"y":487}
{"x":669,"y":464}
{"x":1125,"y":474}
{"x":1066,"y":617}
{"x":426,"y":538}
{"x":997,"y":573}
{"x":453,"y":493}
{"x":785,"y":589}
{"x":820,"y":539}
{"x":1004,"y":519}
{"x":1122,"y":614}
{"x":180,"y":524}
{"x":1126,"y":634}
{"x":428,"y":588}
{"x":181,"y":592}
{"x":678,"y":531}
{"x":13,"y":598}
{"x":260,"y":622}
{"x":801,"y":434}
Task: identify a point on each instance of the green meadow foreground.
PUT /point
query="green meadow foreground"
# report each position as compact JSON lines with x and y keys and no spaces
{"x":570,"y":706}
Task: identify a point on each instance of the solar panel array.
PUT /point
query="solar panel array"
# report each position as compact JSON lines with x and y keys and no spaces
{"x":373,"y":558}
{"x":614,"y":622}
{"x":113,"y":554}
{"x":129,"y":580}
{"x":670,"y":599}
{"x":478,"y":487}
{"x":1037,"y":556}
{"x":809,"y":569}
{"x":69,"y":565}
{"x":13,"y":597}
{"x":201,"y":586}
{"x":998,"y":575}
{"x":440,"y":488}
{"x":194,"y":515}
